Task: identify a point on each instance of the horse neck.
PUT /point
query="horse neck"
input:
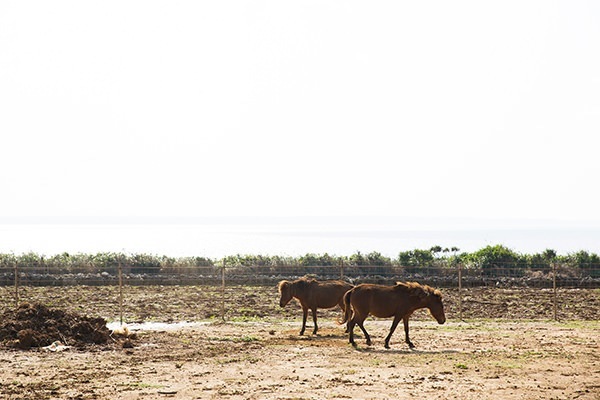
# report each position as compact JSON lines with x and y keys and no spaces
{"x":293,"y":289}
{"x":421,"y":303}
{"x":301,"y":289}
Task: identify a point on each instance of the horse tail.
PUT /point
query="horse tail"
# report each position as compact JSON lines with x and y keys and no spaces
{"x":347,"y":308}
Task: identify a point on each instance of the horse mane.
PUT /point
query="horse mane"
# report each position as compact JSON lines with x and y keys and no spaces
{"x":281,"y":284}
{"x":416,"y":289}
{"x":300,"y":282}
{"x":303,"y":282}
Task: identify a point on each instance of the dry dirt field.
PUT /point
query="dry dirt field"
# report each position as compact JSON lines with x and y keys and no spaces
{"x":259,"y":355}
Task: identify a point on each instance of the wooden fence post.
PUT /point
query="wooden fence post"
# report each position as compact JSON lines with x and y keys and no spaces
{"x":460,"y":313}
{"x":16,"y":286}
{"x":554,"y":290}
{"x":223,"y":293}
{"x":121,"y":292}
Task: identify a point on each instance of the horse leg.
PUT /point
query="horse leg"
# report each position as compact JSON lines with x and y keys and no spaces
{"x":407,"y":340}
{"x":392,"y":329}
{"x":362,"y":328}
{"x":350,"y":328}
{"x":304,"y":315}
{"x":314,"y":314}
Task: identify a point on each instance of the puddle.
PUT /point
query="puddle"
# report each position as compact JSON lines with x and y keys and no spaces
{"x":156,"y":326}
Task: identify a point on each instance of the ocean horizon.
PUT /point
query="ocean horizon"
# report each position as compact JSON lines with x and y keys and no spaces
{"x":216,"y":237}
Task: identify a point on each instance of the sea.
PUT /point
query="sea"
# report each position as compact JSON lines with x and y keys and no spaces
{"x":217,"y":237}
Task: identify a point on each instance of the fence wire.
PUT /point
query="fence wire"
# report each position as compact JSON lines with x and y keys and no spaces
{"x":133,"y":294}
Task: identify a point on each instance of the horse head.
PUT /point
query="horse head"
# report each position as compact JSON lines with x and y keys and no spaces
{"x":429,"y":297}
{"x":285,"y":289}
{"x":436,"y":306}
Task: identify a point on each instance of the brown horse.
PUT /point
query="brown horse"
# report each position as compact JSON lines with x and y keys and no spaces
{"x":312,"y":294}
{"x":398,"y":301}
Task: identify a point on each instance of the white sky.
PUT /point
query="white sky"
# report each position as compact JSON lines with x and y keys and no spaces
{"x":462,"y":109}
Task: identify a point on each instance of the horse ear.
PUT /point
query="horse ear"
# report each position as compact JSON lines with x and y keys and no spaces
{"x":283,"y":285}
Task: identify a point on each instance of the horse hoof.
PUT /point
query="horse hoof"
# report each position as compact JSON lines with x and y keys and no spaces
{"x":387,"y":346}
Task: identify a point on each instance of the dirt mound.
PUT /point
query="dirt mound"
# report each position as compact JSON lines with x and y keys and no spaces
{"x":35,"y":325}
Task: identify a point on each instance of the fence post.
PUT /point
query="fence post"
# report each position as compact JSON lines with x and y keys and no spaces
{"x":223,"y":293}
{"x":554,"y":290}
{"x":16,"y":286}
{"x":121,"y":292}
{"x":341,"y":268}
{"x":460,"y":313}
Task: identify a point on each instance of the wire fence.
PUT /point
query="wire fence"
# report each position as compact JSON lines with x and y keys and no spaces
{"x":132,"y":293}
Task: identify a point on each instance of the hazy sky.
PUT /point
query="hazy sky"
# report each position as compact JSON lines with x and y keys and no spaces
{"x":275,"y":108}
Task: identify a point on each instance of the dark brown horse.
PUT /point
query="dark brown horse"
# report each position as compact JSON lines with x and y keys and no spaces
{"x":398,"y":301}
{"x":313,"y":294}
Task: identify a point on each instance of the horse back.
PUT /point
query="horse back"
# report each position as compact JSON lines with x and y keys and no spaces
{"x":379,"y":301}
{"x":324,"y":294}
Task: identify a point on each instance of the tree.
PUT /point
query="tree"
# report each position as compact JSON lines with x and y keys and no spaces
{"x":587,"y":263}
{"x":497,"y":261}
{"x":311,"y":260}
{"x":541,"y":261}
{"x":435,"y":250}
{"x":376,"y":258}
{"x":358,"y":259}
{"x":549,"y":255}
{"x":415,"y":258}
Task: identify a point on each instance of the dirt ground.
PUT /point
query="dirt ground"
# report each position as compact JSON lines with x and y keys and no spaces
{"x":259,"y":355}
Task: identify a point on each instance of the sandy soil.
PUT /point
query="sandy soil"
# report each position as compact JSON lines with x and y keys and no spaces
{"x":253,"y":360}
{"x":254,"y":357}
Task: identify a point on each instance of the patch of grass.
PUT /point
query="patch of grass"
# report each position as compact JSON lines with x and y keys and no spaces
{"x":247,"y":339}
{"x":186,"y":341}
{"x":246,"y":311}
{"x":229,"y":361}
{"x":533,"y":354}
{"x":346,"y":372}
{"x":506,"y":365}
{"x":461,"y":366}
{"x":469,"y":325}
{"x":245,"y":318}
{"x":593,"y":325}
{"x":233,"y":360}
{"x":242,"y":339}
{"x":141,"y":385}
